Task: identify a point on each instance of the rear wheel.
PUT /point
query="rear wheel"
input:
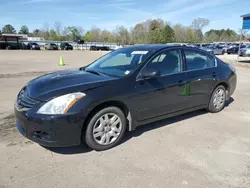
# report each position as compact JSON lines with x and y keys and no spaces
{"x":218,"y":100}
{"x":105,"y":129}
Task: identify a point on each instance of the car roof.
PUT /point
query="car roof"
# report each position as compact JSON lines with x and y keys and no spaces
{"x":154,"y":47}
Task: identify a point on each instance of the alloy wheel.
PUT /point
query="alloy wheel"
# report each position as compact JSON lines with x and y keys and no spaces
{"x":107,"y":129}
{"x":219,"y":98}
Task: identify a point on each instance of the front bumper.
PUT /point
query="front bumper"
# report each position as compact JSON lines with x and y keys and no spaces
{"x":51,"y":131}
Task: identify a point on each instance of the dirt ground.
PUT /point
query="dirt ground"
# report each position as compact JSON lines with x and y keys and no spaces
{"x":196,"y":150}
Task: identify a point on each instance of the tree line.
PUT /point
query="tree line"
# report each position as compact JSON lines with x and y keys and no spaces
{"x":150,"y":31}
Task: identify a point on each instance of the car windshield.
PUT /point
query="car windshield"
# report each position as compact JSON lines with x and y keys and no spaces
{"x":119,"y":63}
{"x":52,"y":44}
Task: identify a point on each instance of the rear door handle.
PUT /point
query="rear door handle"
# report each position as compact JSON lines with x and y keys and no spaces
{"x":181,"y":82}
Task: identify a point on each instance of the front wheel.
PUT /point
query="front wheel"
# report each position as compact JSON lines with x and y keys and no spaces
{"x":105,"y":129}
{"x":218,"y":100}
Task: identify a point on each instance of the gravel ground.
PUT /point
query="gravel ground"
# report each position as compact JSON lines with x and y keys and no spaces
{"x":196,"y":150}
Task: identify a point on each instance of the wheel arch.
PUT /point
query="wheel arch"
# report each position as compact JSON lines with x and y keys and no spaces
{"x":105,"y":104}
{"x":226,"y":85}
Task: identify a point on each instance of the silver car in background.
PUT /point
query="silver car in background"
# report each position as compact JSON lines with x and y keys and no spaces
{"x":245,"y":52}
{"x":218,"y":50}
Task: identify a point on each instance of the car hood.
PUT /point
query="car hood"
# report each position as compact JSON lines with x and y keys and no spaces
{"x":62,"y":82}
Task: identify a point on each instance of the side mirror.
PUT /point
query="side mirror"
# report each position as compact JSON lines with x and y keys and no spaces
{"x":150,"y":73}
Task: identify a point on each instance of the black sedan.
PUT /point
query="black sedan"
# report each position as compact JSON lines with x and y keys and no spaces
{"x":233,"y":50}
{"x":33,"y":46}
{"x":99,"y":48}
{"x":123,"y":89}
{"x":66,"y":46}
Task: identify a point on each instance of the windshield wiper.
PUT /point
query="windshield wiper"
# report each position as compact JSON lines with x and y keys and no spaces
{"x":94,"y":72}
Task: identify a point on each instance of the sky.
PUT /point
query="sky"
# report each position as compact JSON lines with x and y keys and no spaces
{"x":107,"y":14}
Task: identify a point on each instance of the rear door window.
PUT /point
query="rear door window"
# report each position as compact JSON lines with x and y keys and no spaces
{"x":198,"y":60}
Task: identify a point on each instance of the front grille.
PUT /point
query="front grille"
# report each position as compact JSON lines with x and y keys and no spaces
{"x":24,"y":101}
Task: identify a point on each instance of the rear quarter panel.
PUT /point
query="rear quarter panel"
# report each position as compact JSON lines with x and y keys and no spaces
{"x":226,"y":75}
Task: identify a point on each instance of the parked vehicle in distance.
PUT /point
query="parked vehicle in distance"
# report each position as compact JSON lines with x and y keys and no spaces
{"x":99,"y":48}
{"x":217,"y":50}
{"x":51,"y":46}
{"x":66,"y":46}
{"x":233,"y":50}
{"x":93,"y":48}
{"x":245,"y":52}
{"x":120,"y":91}
{"x":207,"y":49}
{"x":104,"y":48}
{"x":33,"y":46}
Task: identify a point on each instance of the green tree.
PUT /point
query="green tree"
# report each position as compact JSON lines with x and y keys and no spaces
{"x":8,"y":29}
{"x":212,"y":36}
{"x":72,"y":32}
{"x":122,"y":36}
{"x":24,"y":30}
{"x":191,"y":35}
{"x":180,"y":33}
{"x":155,"y":31}
{"x":96,"y":35}
{"x":198,"y":35}
{"x":139,"y":34}
{"x":36,"y":32}
{"x":227,"y":35}
{"x":53,"y":35}
{"x":167,"y":34}
{"x":107,"y":36}
{"x":87,"y":37}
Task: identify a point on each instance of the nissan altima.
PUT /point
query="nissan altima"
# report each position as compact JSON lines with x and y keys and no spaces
{"x":99,"y":103}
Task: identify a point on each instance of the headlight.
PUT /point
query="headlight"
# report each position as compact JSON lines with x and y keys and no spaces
{"x":60,"y":105}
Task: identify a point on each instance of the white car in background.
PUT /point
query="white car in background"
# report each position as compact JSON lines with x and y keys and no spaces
{"x":117,"y":47}
{"x":245,"y":52}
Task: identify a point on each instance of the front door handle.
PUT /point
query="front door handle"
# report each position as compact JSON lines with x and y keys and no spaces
{"x":214,"y":74}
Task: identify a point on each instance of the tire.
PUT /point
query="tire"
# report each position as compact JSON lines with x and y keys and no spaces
{"x":214,"y":107}
{"x":95,"y":121}
{"x":223,"y":52}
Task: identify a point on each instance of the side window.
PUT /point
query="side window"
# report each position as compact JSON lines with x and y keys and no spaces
{"x":198,"y":60}
{"x":167,"y":62}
